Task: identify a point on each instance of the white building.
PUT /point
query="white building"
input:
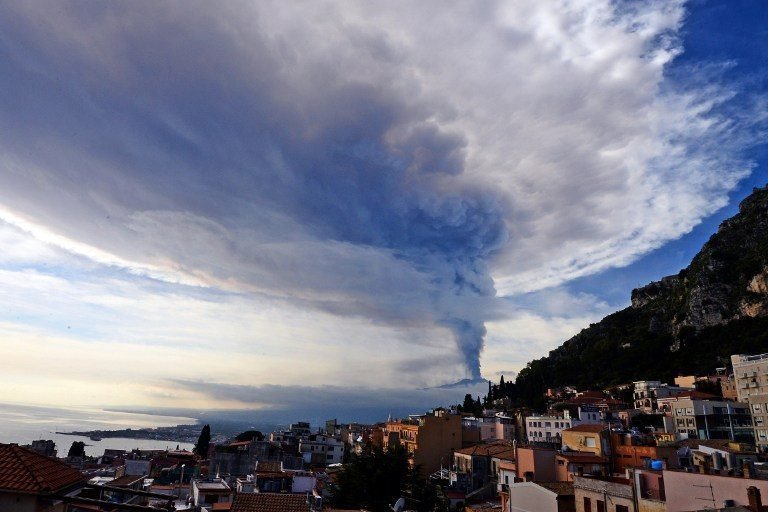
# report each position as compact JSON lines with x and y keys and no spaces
{"x":540,"y":496}
{"x":321,"y":449}
{"x":549,"y":429}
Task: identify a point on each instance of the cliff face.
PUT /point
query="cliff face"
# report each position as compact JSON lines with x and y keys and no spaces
{"x":688,"y":322}
{"x":727,"y":280}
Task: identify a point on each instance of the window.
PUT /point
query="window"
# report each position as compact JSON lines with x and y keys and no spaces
{"x":590,"y":442}
{"x":622,"y":508}
{"x":587,"y":505}
{"x":600,"y":506}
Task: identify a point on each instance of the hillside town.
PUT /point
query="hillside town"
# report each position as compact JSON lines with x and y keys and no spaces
{"x":697,"y":443}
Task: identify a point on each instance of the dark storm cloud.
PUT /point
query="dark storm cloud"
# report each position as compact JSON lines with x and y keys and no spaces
{"x":317,"y":403}
{"x":375,"y":160}
{"x":122,"y":113}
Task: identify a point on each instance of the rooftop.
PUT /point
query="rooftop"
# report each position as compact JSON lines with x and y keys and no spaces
{"x":269,"y":502}
{"x":126,"y":480}
{"x":594,"y":428}
{"x":214,"y":486}
{"x":559,"y":488}
{"x":25,"y":471}
{"x":489,"y":450}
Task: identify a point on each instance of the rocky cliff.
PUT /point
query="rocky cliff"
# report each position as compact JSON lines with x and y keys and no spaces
{"x":727,"y":280}
{"x":689,"y":322}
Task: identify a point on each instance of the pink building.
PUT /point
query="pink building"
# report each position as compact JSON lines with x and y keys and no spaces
{"x":696,"y":491}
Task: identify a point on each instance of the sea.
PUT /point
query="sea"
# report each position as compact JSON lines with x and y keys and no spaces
{"x":23,"y":424}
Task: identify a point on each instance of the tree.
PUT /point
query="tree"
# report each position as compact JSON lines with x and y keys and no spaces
{"x":376,"y":478}
{"x":469,"y":403}
{"x":250,"y":435}
{"x":203,"y":442}
{"x":77,"y":449}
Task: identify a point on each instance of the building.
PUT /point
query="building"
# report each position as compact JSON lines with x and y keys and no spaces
{"x":632,"y":450}
{"x":589,"y":438}
{"x":536,"y":464}
{"x":43,"y":447}
{"x":539,"y":497}
{"x":474,"y":467}
{"x":728,"y":388}
{"x":750,"y":376}
{"x":269,"y":502}
{"x":647,"y":393}
{"x":697,"y":491}
{"x":750,"y":373}
{"x":603,"y":494}
{"x":207,"y":493}
{"x":320,"y":450}
{"x":30,"y":482}
{"x":712,"y":419}
{"x":429,"y":439}
{"x":568,"y":465}
{"x":549,"y":429}
{"x":490,"y":428}
{"x":721,"y":455}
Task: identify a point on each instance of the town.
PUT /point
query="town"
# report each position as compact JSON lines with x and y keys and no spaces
{"x":698,"y":443}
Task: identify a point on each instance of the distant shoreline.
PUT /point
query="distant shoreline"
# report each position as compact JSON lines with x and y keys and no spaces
{"x":178,"y":433}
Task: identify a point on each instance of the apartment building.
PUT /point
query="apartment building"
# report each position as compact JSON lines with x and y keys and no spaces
{"x":647,"y":393}
{"x":549,"y":428}
{"x":430,"y":439}
{"x":750,"y":376}
{"x":490,"y":428}
{"x":712,"y":419}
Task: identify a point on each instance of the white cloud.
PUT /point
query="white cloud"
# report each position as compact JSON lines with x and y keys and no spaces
{"x":328,"y":185}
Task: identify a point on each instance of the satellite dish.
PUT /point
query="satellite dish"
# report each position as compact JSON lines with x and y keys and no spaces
{"x":399,"y":505}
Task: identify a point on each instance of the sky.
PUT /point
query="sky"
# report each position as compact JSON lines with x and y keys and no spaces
{"x":344,"y":206}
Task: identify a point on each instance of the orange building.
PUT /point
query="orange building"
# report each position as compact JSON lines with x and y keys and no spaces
{"x":570,"y":464}
{"x":429,"y":439}
{"x":536,"y":464}
{"x":634,"y":452}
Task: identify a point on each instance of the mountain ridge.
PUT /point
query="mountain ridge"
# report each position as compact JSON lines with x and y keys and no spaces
{"x":687,"y":322}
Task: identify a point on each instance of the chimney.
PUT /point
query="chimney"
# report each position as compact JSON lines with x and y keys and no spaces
{"x":755,"y":502}
{"x":747,"y":468}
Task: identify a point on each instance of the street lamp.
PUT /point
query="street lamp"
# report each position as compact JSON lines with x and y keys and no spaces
{"x":181,"y":482}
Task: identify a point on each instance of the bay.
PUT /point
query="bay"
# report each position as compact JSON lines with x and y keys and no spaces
{"x":22,"y":424}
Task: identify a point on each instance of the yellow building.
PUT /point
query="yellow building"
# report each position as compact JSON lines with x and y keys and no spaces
{"x":429,"y":439}
{"x":587,"y":439}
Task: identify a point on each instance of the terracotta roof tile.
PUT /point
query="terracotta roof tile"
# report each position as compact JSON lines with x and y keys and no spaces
{"x":269,"y":502}
{"x":25,"y":471}
{"x":487,"y":450}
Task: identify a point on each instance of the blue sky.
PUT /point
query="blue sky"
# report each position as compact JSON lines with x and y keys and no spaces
{"x":286,"y":205}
